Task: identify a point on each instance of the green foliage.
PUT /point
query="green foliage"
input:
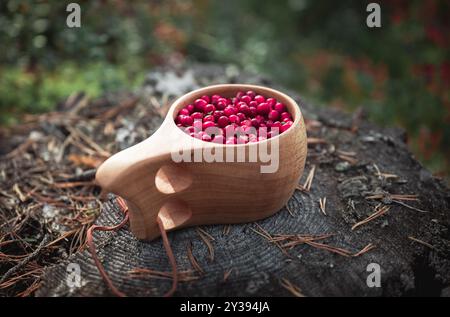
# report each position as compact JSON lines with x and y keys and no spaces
{"x":37,"y":92}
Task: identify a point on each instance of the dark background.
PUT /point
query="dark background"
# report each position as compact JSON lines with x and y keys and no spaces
{"x":399,"y":73}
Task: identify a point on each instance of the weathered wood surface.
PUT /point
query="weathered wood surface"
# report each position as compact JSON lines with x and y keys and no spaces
{"x":246,"y":264}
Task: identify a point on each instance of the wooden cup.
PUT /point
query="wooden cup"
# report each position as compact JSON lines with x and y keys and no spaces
{"x":154,"y":183}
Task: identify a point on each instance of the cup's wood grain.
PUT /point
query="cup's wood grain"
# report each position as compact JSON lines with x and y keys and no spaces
{"x":194,"y":193}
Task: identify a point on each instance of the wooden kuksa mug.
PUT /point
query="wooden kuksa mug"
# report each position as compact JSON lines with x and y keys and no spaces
{"x":153,"y":181}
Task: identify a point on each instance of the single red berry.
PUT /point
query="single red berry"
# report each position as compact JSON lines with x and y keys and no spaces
{"x":178,"y":119}
{"x":263,"y":108}
{"x":187,"y":121}
{"x":200,"y":104}
{"x":221,"y":105}
{"x":247,"y":99}
{"x":259,"y":99}
{"x":241,"y":116}
{"x":260,"y":118}
{"x":190,"y":108}
{"x":271,"y":102}
{"x":244,"y":108}
{"x":251,"y":94}
{"x":223,"y":121}
{"x":184,"y":112}
{"x":286,"y":126}
{"x":205,"y":98}
{"x":253,"y":104}
{"x":217,"y":114}
{"x":234,"y":119}
{"x":197,"y":115}
{"x":208,"y":124}
{"x":255,"y":123}
{"x":279,"y":107}
{"x":224,"y":100}
{"x":276,"y":125}
{"x":246,"y":122}
{"x":215,"y":98}
{"x":209,"y":108}
{"x":229,"y":110}
{"x":273,"y":115}
{"x":285,"y":115}
{"x":208,"y":117}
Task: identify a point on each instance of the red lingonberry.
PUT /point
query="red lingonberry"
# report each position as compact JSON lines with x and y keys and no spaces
{"x":197,"y":115}
{"x":199,"y":104}
{"x":208,"y":117}
{"x":273,"y":115}
{"x":263,"y":108}
{"x":246,"y":117}
{"x":209,"y":108}
{"x":230,"y":110}
{"x":279,"y":107}
{"x":251,"y":94}
{"x":259,"y":99}
{"x":223,"y":121}
{"x":205,"y":98}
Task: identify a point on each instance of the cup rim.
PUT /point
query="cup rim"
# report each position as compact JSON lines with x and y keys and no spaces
{"x":189,"y":97}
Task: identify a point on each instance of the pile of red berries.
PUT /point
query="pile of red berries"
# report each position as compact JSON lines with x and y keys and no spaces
{"x":247,"y":117}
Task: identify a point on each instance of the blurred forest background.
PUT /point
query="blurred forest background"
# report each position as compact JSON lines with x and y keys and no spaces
{"x":400,"y":73}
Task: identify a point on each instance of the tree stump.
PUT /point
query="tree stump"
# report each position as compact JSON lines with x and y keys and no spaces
{"x":359,"y":168}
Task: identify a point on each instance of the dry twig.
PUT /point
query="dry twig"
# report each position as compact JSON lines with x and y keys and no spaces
{"x":227,"y":274}
{"x":293,"y":289}
{"x":316,"y":141}
{"x":226,"y":229}
{"x":308,"y":182}
{"x":262,"y":232}
{"x":193,"y":260}
{"x":421,"y":242}
{"x":323,"y":204}
{"x":207,"y":238}
{"x":183,"y":276}
{"x":379,"y":211}
{"x":383,"y":175}
{"x":311,"y":240}
{"x":26,"y":260}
